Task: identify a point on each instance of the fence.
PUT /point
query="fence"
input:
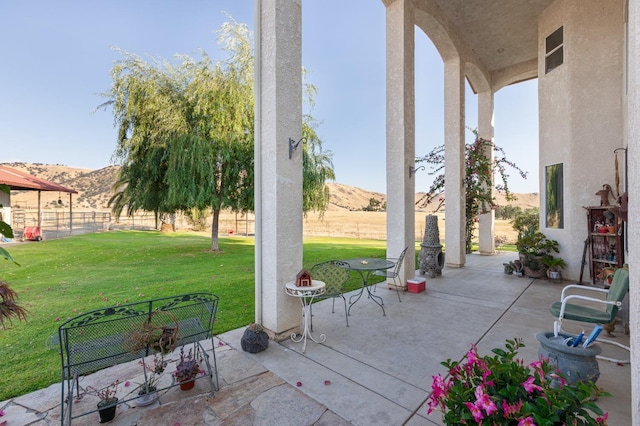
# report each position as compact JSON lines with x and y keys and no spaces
{"x":60,"y":223}
{"x":57,"y":223}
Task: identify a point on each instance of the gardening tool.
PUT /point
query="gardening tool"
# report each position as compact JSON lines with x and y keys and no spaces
{"x":584,"y":260}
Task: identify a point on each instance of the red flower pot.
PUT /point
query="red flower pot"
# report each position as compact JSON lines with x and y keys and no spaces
{"x":187,"y":384}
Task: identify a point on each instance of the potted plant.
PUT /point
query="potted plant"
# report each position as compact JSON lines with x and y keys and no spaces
{"x":513,"y":268}
{"x":500,"y":389}
{"x":187,"y":369}
{"x":533,"y":245}
{"x":554,"y":266}
{"x":157,"y":332}
{"x":148,"y":391}
{"x":108,"y":401}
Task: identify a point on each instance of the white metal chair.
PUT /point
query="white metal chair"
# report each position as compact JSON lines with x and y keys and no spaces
{"x":595,"y":310}
{"x":394,"y":273}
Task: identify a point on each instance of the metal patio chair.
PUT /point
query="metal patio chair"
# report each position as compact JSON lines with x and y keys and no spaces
{"x":394,"y":273}
{"x":595,"y":310}
{"x":334,"y":274}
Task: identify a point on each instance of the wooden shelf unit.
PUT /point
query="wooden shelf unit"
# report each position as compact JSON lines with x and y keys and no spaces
{"x":606,"y":248}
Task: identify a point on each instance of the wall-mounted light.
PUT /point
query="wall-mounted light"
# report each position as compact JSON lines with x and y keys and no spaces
{"x":293,"y":145}
{"x":413,"y":170}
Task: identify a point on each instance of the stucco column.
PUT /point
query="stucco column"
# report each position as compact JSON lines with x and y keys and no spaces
{"x":633,"y":132}
{"x":485,"y":130}
{"x":278,"y":179}
{"x":401,"y":134}
{"x":454,"y":162}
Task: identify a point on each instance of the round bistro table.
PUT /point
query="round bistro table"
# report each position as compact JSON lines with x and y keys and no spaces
{"x":306,"y":295}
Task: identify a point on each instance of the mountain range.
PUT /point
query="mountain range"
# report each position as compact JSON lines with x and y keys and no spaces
{"x":94,"y":189}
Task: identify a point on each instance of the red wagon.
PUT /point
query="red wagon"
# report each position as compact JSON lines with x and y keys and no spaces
{"x":32,"y":233}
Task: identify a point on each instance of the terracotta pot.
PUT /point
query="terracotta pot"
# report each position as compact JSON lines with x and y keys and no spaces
{"x":187,"y":384}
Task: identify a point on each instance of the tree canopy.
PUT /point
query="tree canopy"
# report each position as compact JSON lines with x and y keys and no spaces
{"x":185,"y":134}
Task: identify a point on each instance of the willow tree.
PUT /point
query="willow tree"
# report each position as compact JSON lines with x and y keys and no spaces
{"x":185,"y":134}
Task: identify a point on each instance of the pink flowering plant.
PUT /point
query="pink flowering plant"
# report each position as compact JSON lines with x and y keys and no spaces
{"x":479,"y":181}
{"x":500,"y":389}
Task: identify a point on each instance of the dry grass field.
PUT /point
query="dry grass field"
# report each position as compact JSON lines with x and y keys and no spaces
{"x":344,"y":218}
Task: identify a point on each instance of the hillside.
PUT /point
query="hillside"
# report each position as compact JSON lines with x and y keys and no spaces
{"x":94,"y":189}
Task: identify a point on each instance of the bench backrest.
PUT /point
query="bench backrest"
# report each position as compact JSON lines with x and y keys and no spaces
{"x":105,"y":337}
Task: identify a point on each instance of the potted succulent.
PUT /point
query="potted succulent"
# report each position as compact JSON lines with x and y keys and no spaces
{"x":500,"y":389}
{"x":108,"y":401}
{"x":513,"y":268}
{"x":187,"y":369}
{"x":554,"y":266}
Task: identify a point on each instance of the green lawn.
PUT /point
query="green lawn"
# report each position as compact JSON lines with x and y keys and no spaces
{"x":59,"y":279}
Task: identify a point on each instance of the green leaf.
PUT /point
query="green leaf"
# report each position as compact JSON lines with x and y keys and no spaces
{"x":7,"y":256}
{"x":6,"y":230}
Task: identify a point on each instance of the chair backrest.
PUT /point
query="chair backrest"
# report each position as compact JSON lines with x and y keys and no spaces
{"x":396,"y":269}
{"x":618,"y":290}
{"x":334,"y":274}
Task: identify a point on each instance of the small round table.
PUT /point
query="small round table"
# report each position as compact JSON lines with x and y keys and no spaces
{"x":306,"y":296}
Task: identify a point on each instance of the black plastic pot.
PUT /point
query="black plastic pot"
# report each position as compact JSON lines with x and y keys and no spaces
{"x":107,"y":414}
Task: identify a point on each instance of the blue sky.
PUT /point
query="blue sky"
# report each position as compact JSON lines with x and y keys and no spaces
{"x":57,"y":57}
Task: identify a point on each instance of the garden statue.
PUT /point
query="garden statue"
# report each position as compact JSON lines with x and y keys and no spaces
{"x":604,"y":194}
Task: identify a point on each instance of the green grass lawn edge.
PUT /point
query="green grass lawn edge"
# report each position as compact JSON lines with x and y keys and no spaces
{"x":59,"y":279}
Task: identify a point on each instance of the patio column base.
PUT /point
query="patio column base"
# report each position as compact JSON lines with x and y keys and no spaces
{"x":284,"y":335}
{"x":393,"y":287}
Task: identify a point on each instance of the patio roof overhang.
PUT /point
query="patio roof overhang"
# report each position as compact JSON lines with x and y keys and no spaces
{"x":21,"y":181}
{"x":499,"y":38}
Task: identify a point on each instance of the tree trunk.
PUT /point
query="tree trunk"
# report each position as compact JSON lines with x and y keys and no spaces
{"x":214,"y":230}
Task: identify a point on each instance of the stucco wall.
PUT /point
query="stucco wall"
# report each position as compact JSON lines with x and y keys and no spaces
{"x":581,"y":112}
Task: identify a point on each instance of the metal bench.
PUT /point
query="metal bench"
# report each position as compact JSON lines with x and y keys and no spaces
{"x":102,"y":338}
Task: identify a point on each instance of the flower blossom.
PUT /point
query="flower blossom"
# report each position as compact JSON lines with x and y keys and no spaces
{"x":510,"y":409}
{"x":472,"y":357}
{"x":475,"y":411}
{"x":526,"y":422}
{"x":602,"y":420}
{"x":484,"y":402}
{"x":529,"y":386}
{"x":439,"y":387}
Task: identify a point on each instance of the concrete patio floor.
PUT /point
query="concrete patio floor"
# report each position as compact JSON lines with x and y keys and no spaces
{"x":377,"y":371}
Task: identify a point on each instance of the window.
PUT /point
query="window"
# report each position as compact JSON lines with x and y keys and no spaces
{"x":555,"y":196}
{"x":553,"y":50}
